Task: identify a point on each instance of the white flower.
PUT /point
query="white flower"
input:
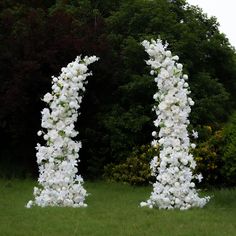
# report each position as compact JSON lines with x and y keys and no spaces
{"x":47,"y":97}
{"x":191,"y":102}
{"x":152,"y":72}
{"x":177,"y":201}
{"x":29,"y":204}
{"x":154,"y":133}
{"x":82,"y":68}
{"x":195,"y":134}
{"x":56,"y":89}
{"x":168,"y":53}
{"x":199,"y":178}
{"x":175,"y":58}
{"x":162,"y":106}
{"x":142,"y":204}
{"x":185,"y":85}
{"x":154,"y":143}
{"x":72,"y":104}
{"x":155,"y":96}
{"x":39,"y":133}
{"x":179,"y":66}
{"x":62,"y":98}
{"x":60,"y":125}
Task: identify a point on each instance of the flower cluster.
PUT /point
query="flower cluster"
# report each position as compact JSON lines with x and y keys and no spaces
{"x":59,"y":184}
{"x":173,"y":168}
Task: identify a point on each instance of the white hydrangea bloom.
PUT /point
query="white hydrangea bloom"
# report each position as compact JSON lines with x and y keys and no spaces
{"x":59,"y":184}
{"x":174,"y":186}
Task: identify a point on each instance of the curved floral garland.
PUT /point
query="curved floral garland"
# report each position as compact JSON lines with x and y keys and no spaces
{"x":174,"y":186}
{"x":59,"y":184}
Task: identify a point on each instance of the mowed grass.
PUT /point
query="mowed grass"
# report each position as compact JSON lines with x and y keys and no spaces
{"x":113,"y":210}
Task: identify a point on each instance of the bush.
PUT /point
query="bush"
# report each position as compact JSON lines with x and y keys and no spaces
{"x":208,"y":156}
{"x":135,"y":169}
{"x":229,"y":152}
{"x":215,"y":156}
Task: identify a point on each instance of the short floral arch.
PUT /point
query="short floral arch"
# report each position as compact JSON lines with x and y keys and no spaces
{"x":59,"y":184}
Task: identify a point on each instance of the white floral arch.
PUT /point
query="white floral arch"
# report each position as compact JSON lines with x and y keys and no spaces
{"x":173,"y":168}
{"x":59,"y":184}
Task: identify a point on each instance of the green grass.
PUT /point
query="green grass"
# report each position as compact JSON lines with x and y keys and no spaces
{"x":113,"y":211}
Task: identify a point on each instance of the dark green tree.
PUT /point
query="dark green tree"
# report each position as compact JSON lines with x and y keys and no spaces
{"x":39,"y":37}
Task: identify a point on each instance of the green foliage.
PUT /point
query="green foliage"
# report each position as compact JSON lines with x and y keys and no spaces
{"x":135,"y":169}
{"x":211,"y":100}
{"x":215,"y":156}
{"x":39,"y":37}
{"x":229,"y":151}
{"x":191,"y":35}
{"x":208,"y":156}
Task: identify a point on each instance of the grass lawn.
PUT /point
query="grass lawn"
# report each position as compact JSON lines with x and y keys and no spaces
{"x":113,"y":211}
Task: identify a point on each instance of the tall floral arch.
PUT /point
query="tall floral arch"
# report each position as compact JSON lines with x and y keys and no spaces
{"x":173,"y":168}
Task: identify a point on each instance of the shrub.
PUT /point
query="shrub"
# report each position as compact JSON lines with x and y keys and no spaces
{"x":208,"y":156}
{"x":229,"y":151}
{"x":135,"y":169}
{"x":215,"y":156}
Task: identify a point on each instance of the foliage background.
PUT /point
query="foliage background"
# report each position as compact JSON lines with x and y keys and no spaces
{"x":39,"y":37}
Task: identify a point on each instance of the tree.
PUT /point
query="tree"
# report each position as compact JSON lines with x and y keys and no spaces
{"x":39,"y":37}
